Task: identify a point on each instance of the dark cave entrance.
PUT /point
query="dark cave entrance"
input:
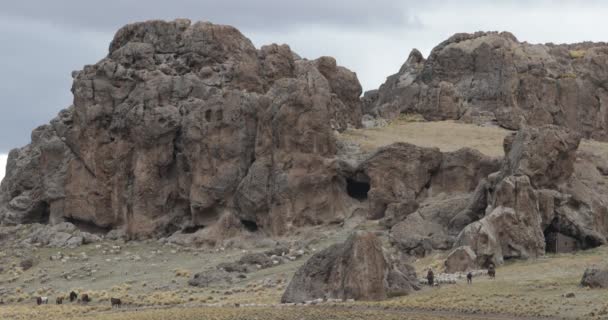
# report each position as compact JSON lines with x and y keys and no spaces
{"x":192,"y":229}
{"x":40,"y":214}
{"x":358,"y":186}
{"x":251,"y":226}
{"x":87,"y":226}
{"x":557,"y":242}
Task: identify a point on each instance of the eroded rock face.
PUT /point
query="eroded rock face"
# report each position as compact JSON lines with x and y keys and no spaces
{"x":185,"y":124}
{"x":461,"y":259}
{"x":492,"y":77}
{"x":542,"y":188}
{"x":398,"y":173}
{"x":357,"y":269}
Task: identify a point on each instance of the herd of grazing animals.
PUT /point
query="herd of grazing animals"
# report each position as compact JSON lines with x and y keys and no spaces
{"x":84,"y":299}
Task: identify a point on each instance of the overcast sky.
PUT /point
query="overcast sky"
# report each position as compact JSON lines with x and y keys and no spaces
{"x":42,"y":41}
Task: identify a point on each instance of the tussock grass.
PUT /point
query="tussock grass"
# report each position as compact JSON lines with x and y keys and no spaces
{"x":577,"y":54}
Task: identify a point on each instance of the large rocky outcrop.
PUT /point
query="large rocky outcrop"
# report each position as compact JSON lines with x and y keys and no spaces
{"x":419,"y":191}
{"x":492,"y":77}
{"x":543,"y":188}
{"x":183,"y":124}
{"x":356,"y":269}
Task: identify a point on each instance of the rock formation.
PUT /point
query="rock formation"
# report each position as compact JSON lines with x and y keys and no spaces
{"x":185,"y":124}
{"x":492,"y":77}
{"x":356,"y":269}
{"x":534,"y":194}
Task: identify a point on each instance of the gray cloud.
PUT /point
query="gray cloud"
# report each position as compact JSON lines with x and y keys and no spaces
{"x":250,"y":14}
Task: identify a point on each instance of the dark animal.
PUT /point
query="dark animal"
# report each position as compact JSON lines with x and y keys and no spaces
{"x":38,"y":300}
{"x":115,"y":302}
{"x":59,"y":300}
{"x":469,"y":278}
{"x":42,"y":300}
{"x":430,"y":276}
{"x":85,"y":298}
{"x":492,"y":271}
{"x":73,"y":296}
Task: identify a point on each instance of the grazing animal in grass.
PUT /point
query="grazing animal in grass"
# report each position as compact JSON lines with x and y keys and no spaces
{"x":492,"y":271}
{"x":115,"y":302}
{"x":59,"y":300}
{"x":73,"y":296}
{"x":85,"y":298}
{"x":42,"y":300}
{"x":430,"y":276}
{"x":38,"y":300}
{"x":469,"y":278}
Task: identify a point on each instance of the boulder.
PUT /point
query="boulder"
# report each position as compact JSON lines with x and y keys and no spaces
{"x":356,"y":269}
{"x":491,"y":77}
{"x":461,"y":259}
{"x":595,"y":278}
{"x":210,"y":277}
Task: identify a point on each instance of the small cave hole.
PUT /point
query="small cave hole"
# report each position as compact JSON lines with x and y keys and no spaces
{"x":192,"y":229}
{"x":357,"y":189}
{"x":87,"y":226}
{"x":251,"y":226}
{"x":208,"y":115}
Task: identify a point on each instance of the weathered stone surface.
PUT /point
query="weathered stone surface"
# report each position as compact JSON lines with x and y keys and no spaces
{"x":357,"y":269}
{"x":461,"y":259}
{"x":595,"y":278}
{"x":427,"y":229}
{"x":398,"y":173}
{"x":539,"y":190}
{"x":183,"y":124}
{"x":460,"y":171}
{"x":546,"y":155}
{"x":492,"y":77}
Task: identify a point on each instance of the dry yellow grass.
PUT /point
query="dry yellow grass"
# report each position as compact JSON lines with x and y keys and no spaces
{"x":524,"y":288}
{"x":445,"y":135}
{"x":215,"y":313}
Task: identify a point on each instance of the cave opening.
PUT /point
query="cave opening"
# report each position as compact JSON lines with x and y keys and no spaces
{"x":358,"y":188}
{"x":40,"y":214}
{"x":87,"y":226}
{"x":557,"y":242}
{"x":251,"y":226}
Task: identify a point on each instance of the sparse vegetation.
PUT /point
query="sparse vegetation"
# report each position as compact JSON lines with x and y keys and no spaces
{"x":577,"y":54}
{"x":445,"y":135}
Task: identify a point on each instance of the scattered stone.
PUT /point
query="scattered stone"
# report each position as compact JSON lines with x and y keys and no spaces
{"x":595,"y":278}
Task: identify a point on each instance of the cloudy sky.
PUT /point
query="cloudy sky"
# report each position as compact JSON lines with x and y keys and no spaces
{"x":42,"y":41}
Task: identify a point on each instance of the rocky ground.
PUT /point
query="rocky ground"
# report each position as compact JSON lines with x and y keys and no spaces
{"x":49,"y":261}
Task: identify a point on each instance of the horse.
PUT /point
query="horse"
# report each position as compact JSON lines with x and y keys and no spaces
{"x":59,"y":300}
{"x":115,"y":302}
{"x":85,"y":298}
